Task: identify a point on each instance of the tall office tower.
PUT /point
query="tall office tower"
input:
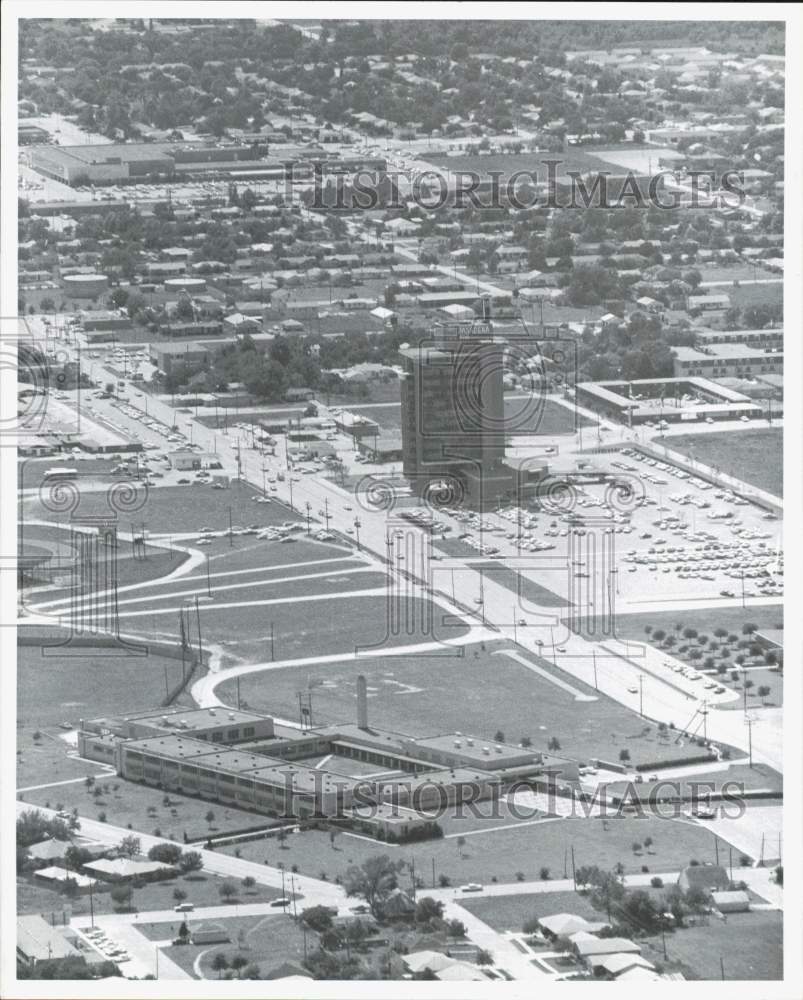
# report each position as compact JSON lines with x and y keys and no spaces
{"x":453,"y":415}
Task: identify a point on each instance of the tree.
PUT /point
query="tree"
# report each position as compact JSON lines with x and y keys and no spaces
{"x":499,"y":736}
{"x":648,"y":842}
{"x":484,"y":957}
{"x":763,"y":691}
{"x":179,"y":895}
{"x":526,"y":742}
{"x":624,"y":755}
{"x":543,"y":873}
{"x":76,"y":857}
{"x":167,"y":854}
{"x":130,"y":846}
{"x":248,"y":883}
{"x":428,"y":909}
{"x":456,"y":929}
{"x":122,"y":895}
{"x":317,"y":918}
{"x":228,"y":890}
{"x":749,"y":628}
{"x":373,"y":880}
{"x":554,"y":743}
{"x":238,"y":963}
{"x":461,"y":843}
{"x":190,"y":861}
{"x":639,"y":911}
{"x":210,"y":817}
{"x":219,"y":964}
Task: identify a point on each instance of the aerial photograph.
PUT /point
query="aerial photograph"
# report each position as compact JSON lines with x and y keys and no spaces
{"x":399,"y":502}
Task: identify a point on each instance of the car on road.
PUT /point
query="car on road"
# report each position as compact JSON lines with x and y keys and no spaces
{"x":471,"y":887}
{"x":184,"y":908}
{"x":282,"y":901}
{"x":632,"y":690}
{"x":183,"y":482}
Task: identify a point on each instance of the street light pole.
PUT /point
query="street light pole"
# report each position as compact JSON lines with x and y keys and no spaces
{"x":309,"y":508}
{"x":641,"y":695}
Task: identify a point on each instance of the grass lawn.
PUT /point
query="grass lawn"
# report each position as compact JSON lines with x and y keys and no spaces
{"x":753,"y":295}
{"x":749,"y":944}
{"x":201,"y":888}
{"x":86,"y":682}
{"x":508,"y":163}
{"x":46,"y":760}
{"x":129,"y":804}
{"x":450,"y":691}
{"x":754,"y":455}
{"x":266,"y":941}
{"x":759,"y":776}
{"x":524,"y":415}
{"x":501,"y":853}
{"x":179,"y":509}
{"x":528,"y":415}
{"x":510,"y":913}
{"x":302,"y":629}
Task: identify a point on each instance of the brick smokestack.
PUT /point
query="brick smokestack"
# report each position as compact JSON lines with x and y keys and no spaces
{"x":362,"y":702}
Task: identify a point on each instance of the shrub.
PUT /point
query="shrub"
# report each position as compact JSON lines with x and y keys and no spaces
{"x":543,"y":873}
{"x":519,"y":876}
{"x":657,"y":882}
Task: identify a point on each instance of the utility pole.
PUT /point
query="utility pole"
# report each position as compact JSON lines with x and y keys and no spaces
{"x":208,"y":580}
{"x":272,"y":653}
{"x":594,"y":657}
{"x":238,"y":694}
{"x":574,"y":870}
{"x":309,"y":508}
{"x":326,"y":514}
{"x":641,"y":695}
{"x":198,"y":620}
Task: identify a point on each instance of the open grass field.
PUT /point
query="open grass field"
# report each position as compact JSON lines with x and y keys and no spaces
{"x":126,"y":802}
{"x":506,"y":164}
{"x":267,"y":941}
{"x":754,"y":455}
{"x":47,"y":760}
{"x":757,"y":776}
{"x":754,"y":295}
{"x":749,"y":944}
{"x":500,"y":854}
{"x":706,"y":621}
{"x":524,"y":416}
{"x":510,"y":913}
{"x":86,"y":682}
{"x":177,"y":509}
{"x":340,"y":623}
{"x":448,"y":692}
{"x":201,"y":888}
{"x":702,"y":619}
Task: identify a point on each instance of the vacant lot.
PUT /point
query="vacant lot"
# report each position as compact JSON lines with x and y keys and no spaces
{"x":176,"y":509}
{"x":450,"y":691}
{"x":506,"y":164}
{"x":754,"y":295}
{"x":61,"y":684}
{"x":524,"y":414}
{"x":510,"y":913}
{"x":46,"y":760}
{"x":201,"y":889}
{"x":501,"y":853}
{"x":750,"y":946}
{"x":754,"y":455}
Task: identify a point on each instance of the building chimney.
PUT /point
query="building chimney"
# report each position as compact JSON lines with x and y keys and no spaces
{"x":362,"y":702}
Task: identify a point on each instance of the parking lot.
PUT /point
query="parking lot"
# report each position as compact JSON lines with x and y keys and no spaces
{"x":681,"y":538}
